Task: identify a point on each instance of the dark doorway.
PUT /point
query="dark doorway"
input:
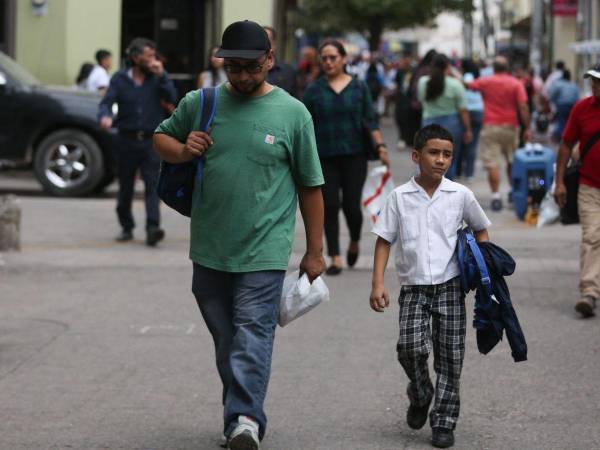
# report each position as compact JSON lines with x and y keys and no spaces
{"x":7,"y":26}
{"x":177,"y":28}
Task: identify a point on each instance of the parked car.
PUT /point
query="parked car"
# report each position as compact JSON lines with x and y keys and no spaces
{"x":54,"y":131}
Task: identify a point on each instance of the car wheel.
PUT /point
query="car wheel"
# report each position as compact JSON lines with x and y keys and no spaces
{"x":69,"y":162}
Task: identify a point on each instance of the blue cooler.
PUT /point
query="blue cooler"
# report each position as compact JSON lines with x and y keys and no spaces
{"x":532,"y":176}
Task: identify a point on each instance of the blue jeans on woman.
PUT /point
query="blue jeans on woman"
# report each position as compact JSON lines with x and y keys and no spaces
{"x":452,"y":123}
{"x":470,"y":150}
{"x":241,"y":311}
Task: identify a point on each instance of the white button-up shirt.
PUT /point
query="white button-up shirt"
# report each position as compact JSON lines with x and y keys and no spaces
{"x":426,"y":229}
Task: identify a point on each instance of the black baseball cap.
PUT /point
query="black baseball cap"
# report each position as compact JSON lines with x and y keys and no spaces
{"x":245,"y":40}
{"x":593,"y":72}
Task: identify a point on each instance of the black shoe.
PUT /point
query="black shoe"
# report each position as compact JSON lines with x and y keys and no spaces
{"x":416,"y":416}
{"x":351,"y":258}
{"x":333,"y":270}
{"x":153,"y":236}
{"x":442,"y":437}
{"x":124,"y":236}
{"x":496,"y":205}
{"x":586,"y":307}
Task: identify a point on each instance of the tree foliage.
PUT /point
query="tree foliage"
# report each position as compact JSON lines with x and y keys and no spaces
{"x":373,"y":16}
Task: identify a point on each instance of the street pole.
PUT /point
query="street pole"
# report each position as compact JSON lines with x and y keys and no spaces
{"x":535,"y":52}
{"x":468,"y":34}
{"x":486,"y":26}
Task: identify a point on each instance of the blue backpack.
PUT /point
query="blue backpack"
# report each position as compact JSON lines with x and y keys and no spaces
{"x":176,"y":181}
{"x":473,"y":269}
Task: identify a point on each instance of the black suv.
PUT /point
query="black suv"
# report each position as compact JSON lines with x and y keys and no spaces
{"x":53,"y":130}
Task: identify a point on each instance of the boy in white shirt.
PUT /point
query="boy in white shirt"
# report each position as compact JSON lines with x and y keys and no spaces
{"x":99,"y":78}
{"x":423,"y":216}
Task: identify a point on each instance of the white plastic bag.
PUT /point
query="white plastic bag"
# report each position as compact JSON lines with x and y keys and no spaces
{"x":299,"y":296}
{"x":549,"y":209}
{"x":378,"y":186}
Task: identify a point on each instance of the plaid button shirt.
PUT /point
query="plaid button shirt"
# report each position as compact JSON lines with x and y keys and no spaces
{"x":339,"y":117}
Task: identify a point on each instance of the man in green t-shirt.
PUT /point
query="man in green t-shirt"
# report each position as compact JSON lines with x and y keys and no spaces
{"x":260,"y":159}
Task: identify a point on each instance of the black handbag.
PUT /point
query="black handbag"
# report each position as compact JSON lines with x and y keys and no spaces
{"x":569,"y":214}
{"x":176,"y":181}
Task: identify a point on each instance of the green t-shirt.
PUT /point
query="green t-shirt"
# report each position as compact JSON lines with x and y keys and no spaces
{"x":452,"y":99}
{"x":244,"y":211}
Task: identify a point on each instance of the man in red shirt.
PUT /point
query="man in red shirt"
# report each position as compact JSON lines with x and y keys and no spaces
{"x":504,"y":103}
{"x":583,"y":124}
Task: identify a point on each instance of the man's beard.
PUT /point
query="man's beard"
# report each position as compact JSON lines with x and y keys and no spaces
{"x":246,"y":89}
{"x":144,"y":69}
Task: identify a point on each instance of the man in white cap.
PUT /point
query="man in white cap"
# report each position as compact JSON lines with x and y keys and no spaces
{"x":583,"y":127}
{"x":260,"y":159}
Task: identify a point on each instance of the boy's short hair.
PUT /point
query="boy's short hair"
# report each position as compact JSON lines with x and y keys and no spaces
{"x":101,"y":54}
{"x":433,"y":131}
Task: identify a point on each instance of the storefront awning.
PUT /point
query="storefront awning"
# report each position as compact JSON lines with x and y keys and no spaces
{"x":591,"y":47}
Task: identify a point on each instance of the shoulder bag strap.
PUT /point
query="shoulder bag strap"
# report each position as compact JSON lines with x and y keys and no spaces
{"x":206,"y":111}
{"x":589,"y":144}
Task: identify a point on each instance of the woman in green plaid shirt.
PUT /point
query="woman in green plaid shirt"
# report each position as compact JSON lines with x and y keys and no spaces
{"x":340,"y":104}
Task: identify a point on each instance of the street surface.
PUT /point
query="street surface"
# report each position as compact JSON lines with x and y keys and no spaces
{"x":102,"y":345}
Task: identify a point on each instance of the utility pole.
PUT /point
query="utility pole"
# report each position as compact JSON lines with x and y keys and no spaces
{"x":486,"y":26}
{"x":535,"y":52}
{"x":468,"y":34}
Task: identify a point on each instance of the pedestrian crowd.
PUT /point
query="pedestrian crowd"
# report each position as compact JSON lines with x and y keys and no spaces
{"x":285,"y":136}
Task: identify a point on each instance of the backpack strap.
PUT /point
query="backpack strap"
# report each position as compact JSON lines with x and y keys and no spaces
{"x":464,"y":276}
{"x":208,"y":107}
{"x":483,"y":272}
{"x":206,"y":114}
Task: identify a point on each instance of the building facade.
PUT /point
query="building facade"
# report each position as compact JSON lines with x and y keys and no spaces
{"x":53,"y":38}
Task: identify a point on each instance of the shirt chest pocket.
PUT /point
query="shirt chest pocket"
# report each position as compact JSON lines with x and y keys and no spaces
{"x":452,"y":220}
{"x":409,"y":228}
{"x":267,"y":146}
{"x":409,"y":224}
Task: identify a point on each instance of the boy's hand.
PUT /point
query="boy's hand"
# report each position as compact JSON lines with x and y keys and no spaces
{"x":380,"y":298}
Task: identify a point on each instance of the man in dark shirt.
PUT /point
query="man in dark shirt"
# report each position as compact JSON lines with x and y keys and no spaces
{"x":281,"y":74}
{"x":142,"y":92}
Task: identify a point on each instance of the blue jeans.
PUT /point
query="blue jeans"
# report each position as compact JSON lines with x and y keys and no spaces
{"x":241,"y":311}
{"x":470,"y":150}
{"x":452,"y":123}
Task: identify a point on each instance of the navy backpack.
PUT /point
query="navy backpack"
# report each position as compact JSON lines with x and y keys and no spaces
{"x":176,"y":181}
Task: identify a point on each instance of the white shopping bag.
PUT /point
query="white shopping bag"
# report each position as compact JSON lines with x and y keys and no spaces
{"x":549,"y":209}
{"x":299,"y":296}
{"x":378,"y":186}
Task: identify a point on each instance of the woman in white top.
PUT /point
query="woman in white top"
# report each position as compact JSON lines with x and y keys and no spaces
{"x":214,"y":75}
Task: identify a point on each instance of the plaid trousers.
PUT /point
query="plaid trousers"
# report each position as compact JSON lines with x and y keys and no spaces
{"x":444,"y":306}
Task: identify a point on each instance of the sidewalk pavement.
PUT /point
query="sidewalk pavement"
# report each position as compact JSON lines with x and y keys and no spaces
{"x":102,"y":346}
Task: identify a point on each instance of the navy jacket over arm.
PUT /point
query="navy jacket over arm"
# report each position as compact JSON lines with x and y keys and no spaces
{"x":140,"y":106}
{"x":495,"y":317}
{"x":494,"y":312}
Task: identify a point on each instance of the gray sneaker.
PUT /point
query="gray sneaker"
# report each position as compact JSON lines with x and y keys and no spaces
{"x":245,"y":435}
